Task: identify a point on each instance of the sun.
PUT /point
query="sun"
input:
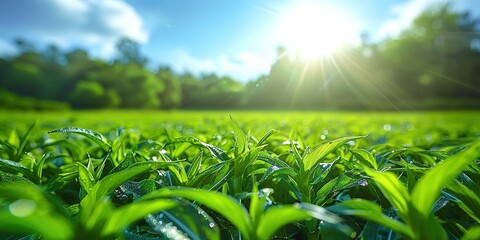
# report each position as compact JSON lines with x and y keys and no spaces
{"x":314,"y":32}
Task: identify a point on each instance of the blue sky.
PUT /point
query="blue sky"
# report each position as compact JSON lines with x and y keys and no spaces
{"x":229,"y":37}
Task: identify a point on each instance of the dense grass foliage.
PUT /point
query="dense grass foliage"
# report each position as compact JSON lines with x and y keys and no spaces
{"x":239,"y":175}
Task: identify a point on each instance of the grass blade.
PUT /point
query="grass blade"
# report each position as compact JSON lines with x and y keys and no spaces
{"x":240,"y":138}
{"x":96,"y":137}
{"x":393,"y":190}
{"x":472,"y":234}
{"x":225,"y":205}
{"x":277,"y":217}
{"x":321,"y":151}
{"x":428,"y":188}
{"x":105,"y":186}
{"x":135,"y":211}
{"x":266,"y":136}
{"x":372,"y":212}
{"x":85,"y":178}
{"x":16,"y":167}
{"x":187,"y":219}
{"x":23,"y":142}
{"x":469,"y":201}
{"x":365,"y":157}
{"x":30,"y":210}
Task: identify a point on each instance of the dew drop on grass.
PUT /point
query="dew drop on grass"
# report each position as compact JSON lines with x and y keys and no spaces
{"x":22,"y":207}
{"x":323,"y":137}
{"x":362,"y":182}
{"x":387,"y":127}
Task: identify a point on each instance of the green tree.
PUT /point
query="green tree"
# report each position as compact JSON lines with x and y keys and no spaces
{"x":171,"y":96}
{"x":93,"y":95}
{"x":434,"y":57}
{"x":128,"y":52}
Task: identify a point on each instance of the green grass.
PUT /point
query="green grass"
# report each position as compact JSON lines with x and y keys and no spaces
{"x":239,"y":174}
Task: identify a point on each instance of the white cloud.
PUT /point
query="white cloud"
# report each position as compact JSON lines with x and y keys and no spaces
{"x":6,"y":48}
{"x":406,"y":12}
{"x":243,"y":66}
{"x":93,"y":24}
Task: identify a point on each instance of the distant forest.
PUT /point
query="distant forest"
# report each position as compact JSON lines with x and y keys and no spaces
{"x":434,"y":64}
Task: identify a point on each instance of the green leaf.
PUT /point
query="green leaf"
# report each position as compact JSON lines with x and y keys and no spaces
{"x":278,"y":216}
{"x":122,"y":217}
{"x":195,"y":166}
{"x":96,"y":137}
{"x":473,"y":233}
{"x":186,"y":219}
{"x":428,"y":188}
{"x":393,"y":190}
{"x":85,"y":178}
{"x":12,"y":178}
{"x":105,"y":186}
{"x":23,"y":142}
{"x":372,"y":212}
{"x":333,"y":186}
{"x":48,"y":225}
{"x":273,"y":161}
{"x":319,"y":172}
{"x":126,"y":163}
{"x":365,"y":157}
{"x":214,"y":150}
{"x":30,"y":210}
{"x":468,"y":199}
{"x":266,"y":136}
{"x":212,"y":177}
{"x":38,"y":168}
{"x":240,"y":138}
{"x":322,"y":151}
{"x":258,"y":201}
{"x":274,"y":171}
{"x":225,"y":205}
{"x":16,"y":167}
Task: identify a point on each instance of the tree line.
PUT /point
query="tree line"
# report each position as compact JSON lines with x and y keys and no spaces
{"x":435,"y":63}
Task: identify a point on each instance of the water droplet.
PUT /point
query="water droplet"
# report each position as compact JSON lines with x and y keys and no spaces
{"x":211,"y":225}
{"x":362,"y":182}
{"x":387,"y":127}
{"x":22,"y":207}
{"x":322,"y":137}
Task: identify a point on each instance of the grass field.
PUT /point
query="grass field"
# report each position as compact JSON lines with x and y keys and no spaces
{"x":239,"y":174}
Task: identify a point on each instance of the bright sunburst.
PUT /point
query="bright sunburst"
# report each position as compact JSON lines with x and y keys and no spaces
{"x":316,"y":31}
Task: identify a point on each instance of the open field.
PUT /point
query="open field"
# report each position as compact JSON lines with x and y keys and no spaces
{"x":222,"y":174}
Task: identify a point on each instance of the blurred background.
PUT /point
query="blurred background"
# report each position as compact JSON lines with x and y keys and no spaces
{"x":212,"y":54}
